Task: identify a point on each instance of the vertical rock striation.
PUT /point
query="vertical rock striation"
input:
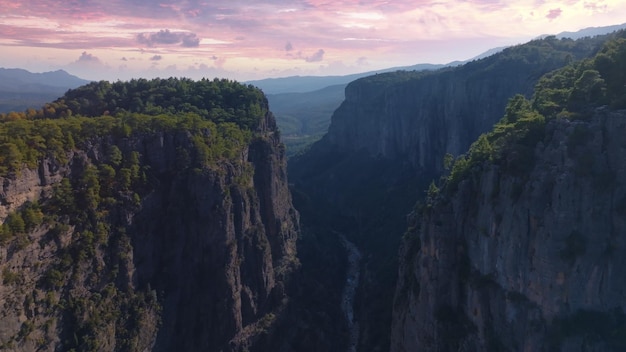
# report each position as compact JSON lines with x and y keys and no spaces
{"x":204,"y":256}
{"x":387,"y":141}
{"x":523,"y":262}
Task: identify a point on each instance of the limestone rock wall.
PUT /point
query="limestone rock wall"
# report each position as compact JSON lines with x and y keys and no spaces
{"x":523,"y":263}
{"x":204,"y":257}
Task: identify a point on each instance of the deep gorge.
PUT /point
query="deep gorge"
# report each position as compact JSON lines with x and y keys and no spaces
{"x":477,"y":207}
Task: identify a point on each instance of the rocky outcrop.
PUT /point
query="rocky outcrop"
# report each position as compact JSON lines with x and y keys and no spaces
{"x":199,"y":262}
{"x":523,"y":262}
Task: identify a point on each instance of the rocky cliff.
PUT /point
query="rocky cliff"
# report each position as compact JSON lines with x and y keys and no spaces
{"x":387,"y":141}
{"x":174,"y":235}
{"x":521,"y":247}
{"x":417,"y":117}
{"x":523,"y":263}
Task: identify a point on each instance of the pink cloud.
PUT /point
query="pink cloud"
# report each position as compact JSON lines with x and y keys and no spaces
{"x":87,"y":59}
{"x":554,"y":13}
{"x":270,"y":31}
{"x":166,"y":37}
{"x":9,"y":5}
{"x":318,"y":56}
{"x":596,"y":6}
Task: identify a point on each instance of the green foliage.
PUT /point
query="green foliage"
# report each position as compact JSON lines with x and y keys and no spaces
{"x":576,"y":89}
{"x":517,"y":108}
{"x":114,"y":155}
{"x":511,"y":143}
{"x":481,"y":150}
{"x":82,"y":207}
{"x":433,"y":190}
{"x":9,"y":277}
{"x":218,"y":100}
{"x":25,"y":330}
{"x":211,"y":122}
{"x":459,"y":171}
{"x":568,"y":92}
{"x":54,"y":278}
{"x":610,"y":63}
{"x":27,"y":146}
{"x":63,"y":200}
{"x":16,"y":223}
{"x":448,"y":161}
{"x":10,"y":158}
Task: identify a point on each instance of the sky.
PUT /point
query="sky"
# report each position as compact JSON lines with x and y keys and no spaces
{"x":245,"y":40}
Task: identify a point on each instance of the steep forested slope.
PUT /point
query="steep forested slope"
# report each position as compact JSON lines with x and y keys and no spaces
{"x":387,"y":141}
{"x":523,"y":247}
{"x":144,"y":215}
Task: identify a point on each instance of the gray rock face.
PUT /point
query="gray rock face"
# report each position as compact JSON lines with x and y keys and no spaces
{"x":420,"y":119}
{"x":524,"y":263}
{"x":214,"y":246}
{"x":387,"y":141}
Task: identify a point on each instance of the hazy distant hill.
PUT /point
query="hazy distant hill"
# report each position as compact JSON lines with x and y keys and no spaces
{"x":303,"y":105}
{"x":301,"y":84}
{"x":21,"y":89}
{"x":588,"y":32}
{"x":303,"y":118}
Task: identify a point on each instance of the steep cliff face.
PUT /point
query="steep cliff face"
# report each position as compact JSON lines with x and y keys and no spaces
{"x":387,"y":141}
{"x":188,"y":256}
{"x":526,"y":262}
{"x":417,"y":117}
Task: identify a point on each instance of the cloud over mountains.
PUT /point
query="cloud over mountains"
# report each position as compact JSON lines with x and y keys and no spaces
{"x":166,"y":37}
{"x":284,"y":36}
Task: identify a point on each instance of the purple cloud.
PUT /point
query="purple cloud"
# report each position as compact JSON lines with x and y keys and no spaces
{"x":156,"y":58}
{"x":166,"y":37}
{"x":288,"y":46}
{"x":554,"y":13}
{"x":88,"y":59}
{"x":318,"y":56}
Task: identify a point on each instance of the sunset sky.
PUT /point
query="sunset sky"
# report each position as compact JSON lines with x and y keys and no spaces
{"x":121,"y":39}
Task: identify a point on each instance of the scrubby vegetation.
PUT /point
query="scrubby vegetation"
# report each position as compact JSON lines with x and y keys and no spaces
{"x":572,"y":92}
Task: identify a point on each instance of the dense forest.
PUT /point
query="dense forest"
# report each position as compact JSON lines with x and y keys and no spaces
{"x":217,"y":100}
{"x":224,"y":111}
{"x":96,"y":163}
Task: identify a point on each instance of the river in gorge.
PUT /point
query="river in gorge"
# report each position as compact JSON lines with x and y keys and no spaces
{"x":349,"y":291}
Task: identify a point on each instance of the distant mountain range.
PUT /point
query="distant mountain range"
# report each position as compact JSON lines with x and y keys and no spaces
{"x":588,"y":32}
{"x":302,"y":105}
{"x":302,"y":84}
{"x":21,"y":89}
